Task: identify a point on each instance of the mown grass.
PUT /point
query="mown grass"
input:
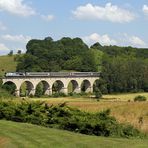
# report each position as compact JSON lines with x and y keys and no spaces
{"x":7,"y":64}
{"x":22,"y":135}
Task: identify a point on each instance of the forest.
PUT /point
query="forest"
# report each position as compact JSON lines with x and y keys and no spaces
{"x":123,"y":69}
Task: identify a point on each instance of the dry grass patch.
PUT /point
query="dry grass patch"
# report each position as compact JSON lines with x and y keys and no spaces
{"x":121,"y":108}
{"x":4,"y":142}
{"x":124,"y":97}
{"x":123,"y":111}
{"x":129,"y":112}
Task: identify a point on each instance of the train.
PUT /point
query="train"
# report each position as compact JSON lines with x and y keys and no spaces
{"x":51,"y":74}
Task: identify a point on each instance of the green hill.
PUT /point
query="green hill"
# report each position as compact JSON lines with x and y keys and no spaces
{"x":13,"y":135}
{"x":7,"y":64}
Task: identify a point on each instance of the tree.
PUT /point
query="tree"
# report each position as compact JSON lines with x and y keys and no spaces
{"x":19,"y":52}
{"x":64,"y":54}
{"x":10,"y":53}
{"x":98,"y":94}
{"x":10,"y":87}
{"x":39,"y":90}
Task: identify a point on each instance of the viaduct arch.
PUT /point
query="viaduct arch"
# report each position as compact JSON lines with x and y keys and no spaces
{"x":81,"y":81}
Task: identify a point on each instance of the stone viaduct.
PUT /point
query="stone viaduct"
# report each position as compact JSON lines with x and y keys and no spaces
{"x":32,"y":79}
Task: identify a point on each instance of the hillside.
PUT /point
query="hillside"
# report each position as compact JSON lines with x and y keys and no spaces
{"x":7,"y":64}
{"x":31,"y":136}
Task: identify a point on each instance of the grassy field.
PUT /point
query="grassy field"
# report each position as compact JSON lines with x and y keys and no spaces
{"x":124,"y":97}
{"x":7,"y":64}
{"x":122,"y":109}
{"x":22,"y":135}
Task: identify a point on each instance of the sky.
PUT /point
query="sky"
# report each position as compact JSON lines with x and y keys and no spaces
{"x":109,"y":22}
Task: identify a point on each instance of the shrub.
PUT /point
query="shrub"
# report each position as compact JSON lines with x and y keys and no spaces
{"x":74,"y":95}
{"x":59,"y":94}
{"x":98,"y":93}
{"x":140,"y":98}
{"x":31,"y":96}
{"x":64,"y":117}
{"x":39,"y":90}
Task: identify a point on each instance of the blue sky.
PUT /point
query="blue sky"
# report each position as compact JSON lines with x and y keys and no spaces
{"x":113,"y":22}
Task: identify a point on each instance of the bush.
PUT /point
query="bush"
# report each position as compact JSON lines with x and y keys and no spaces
{"x":39,"y":90}
{"x":98,"y":93}
{"x":64,"y":117}
{"x":76,"y":95}
{"x":140,"y":98}
{"x":5,"y":94}
{"x":59,"y":94}
{"x":31,"y":96}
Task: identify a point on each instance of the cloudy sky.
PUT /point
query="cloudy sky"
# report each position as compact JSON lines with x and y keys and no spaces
{"x":113,"y":22}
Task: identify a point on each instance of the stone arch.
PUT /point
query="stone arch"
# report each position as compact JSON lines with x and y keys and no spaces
{"x":45,"y":87}
{"x":95,"y":84}
{"x":29,"y":88}
{"x":10,"y":86}
{"x":58,"y":87}
{"x":73,"y":87}
{"x":86,"y":86}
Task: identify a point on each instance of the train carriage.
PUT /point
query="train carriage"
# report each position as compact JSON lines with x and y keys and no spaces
{"x":52,"y":74}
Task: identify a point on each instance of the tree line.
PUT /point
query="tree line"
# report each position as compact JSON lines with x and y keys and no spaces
{"x":64,"y":54}
{"x":123,"y":69}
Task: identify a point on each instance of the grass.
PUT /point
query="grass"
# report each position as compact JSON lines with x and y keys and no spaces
{"x":124,"y":97}
{"x":122,"y":109}
{"x":7,"y":64}
{"x":22,"y":135}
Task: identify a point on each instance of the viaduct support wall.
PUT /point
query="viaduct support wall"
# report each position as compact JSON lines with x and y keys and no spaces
{"x":32,"y":83}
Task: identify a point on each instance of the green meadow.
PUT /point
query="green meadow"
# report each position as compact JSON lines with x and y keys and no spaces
{"x":22,"y":135}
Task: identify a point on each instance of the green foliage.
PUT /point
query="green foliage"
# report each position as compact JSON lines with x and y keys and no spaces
{"x":64,"y":117}
{"x":140,"y":98}
{"x":98,"y":94}
{"x":39,"y":90}
{"x":124,"y":69}
{"x":125,"y":74}
{"x":1,"y":83}
{"x":98,"y":54}
{"x":64,"y":54}
{"x":58,"y":94}
{"x":9,"y":87}
{"x":5,"y":94}
{"x":10,"y":53}
{"x":19,"y":52}
{"x":28,"y":62}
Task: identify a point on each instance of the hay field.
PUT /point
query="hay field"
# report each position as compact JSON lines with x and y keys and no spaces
{"x":122,"y":109}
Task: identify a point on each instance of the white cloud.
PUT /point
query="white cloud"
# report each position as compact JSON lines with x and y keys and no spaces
{"x":103,"y":39}
{"x":3,"y":47}
{"x":131,"y":40}
{"x":136,"y":41}
{"x":47,"y":18}
{"x":119,"y":40}
{"x":110,"y":12}
{"x":16,"y":7}
{"x":145,"y":9}
{"x":2,"y":27}
{"x":16,"y":38}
